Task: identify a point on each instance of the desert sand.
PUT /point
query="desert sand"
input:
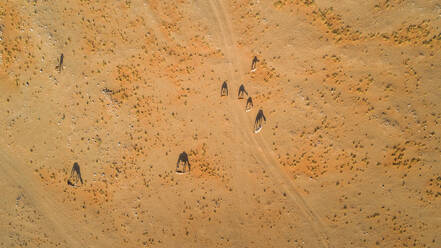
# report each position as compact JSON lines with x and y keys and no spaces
{"x":349,"y":154}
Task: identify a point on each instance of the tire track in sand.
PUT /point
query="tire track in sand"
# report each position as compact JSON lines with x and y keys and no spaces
{"x":239,"y":175}
{"x":258,"y":143}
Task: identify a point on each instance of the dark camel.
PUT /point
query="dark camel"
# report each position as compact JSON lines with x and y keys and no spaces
{"x":75,"y":175}
{"x":260,"y":117}
{"x":241,"y":92}
{"x":254,"y":63}
{"x":249,"y":105}
{"x":59,"y":67}
{"x":224,"y":89}
{"x":183,"y":158}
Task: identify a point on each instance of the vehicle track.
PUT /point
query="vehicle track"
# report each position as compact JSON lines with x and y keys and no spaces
{"x":257,"y":142}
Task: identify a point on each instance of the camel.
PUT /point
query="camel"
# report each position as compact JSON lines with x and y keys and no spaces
{"x":260,"y":117}
{"x":224,"y":89}
{"x":254,"y":63}
{"x":75,"y":175}
{"x":241,"y":92}
{"x":183,"y":159}
{"x":249,"y":105}
{"x":59,"y":67}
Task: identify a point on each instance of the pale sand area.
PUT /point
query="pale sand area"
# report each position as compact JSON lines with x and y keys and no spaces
{"x":349,"y":155}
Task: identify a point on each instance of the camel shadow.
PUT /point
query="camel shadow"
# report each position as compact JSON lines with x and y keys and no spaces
{"x":241,"y":92}
{"x":224,"y":89}
{"x":59,"y":67}
{"x":249,"y":104}
{"x":254,"y":63}
{"x":75,"y":175}
{"x":260,"y":118}
{"x":183,"y":160}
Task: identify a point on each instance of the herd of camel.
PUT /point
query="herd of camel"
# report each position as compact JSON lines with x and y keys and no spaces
{"x":249,"y":105}
{"x":75,"y":176}
{"x":260,"y":117}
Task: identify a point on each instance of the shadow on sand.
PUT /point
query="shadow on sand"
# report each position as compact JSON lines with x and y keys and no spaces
{"x":254,"y":63}
{"x":249,"y":105}
{"x":260,"y":117}
{"x":75,"y":175}
{"x":182,"y":162}
{"x":59,"y":67}
{"x":224,"y":89}
{"x":242,"y":92}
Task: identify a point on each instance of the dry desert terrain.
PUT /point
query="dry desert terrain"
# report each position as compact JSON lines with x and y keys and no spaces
{"x":349,"y":154}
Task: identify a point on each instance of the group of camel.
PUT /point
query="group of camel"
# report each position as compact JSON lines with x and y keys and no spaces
{"x":75,"y":177}
{"x":260,"y":118}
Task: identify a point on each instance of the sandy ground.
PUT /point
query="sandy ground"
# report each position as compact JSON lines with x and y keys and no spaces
{"x":349,"y":155}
